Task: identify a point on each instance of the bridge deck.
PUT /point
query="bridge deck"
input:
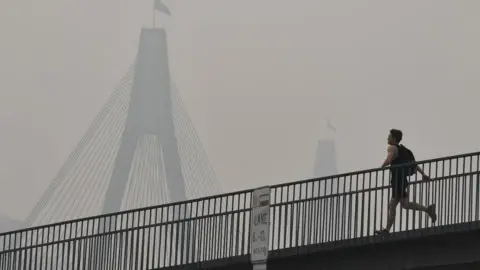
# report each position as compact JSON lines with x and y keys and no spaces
{"x":436,"y":248}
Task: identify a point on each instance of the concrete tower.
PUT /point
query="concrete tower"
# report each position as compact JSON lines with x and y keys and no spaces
{"x":150,"y":114}
{"x":141,"y":149}
{"x":326,"y":165}
{"x":325,"y":159}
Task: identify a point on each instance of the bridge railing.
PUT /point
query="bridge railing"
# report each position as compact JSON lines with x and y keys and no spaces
{"x":354,"y":205}
{"x":328,"y":210}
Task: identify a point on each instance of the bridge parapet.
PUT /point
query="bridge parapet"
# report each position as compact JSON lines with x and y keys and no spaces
{"x":324,"y":213}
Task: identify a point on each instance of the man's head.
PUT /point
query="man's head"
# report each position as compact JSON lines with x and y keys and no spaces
{"x":395,"y":136}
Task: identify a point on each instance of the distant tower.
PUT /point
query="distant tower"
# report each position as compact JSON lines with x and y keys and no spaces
{"x":325,"y":159}
{"x":150,"y":114}
{"x":141,"y":150}
{"x":326,"y":165}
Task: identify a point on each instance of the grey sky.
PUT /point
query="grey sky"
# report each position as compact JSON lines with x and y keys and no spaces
{"x":259,"y":78}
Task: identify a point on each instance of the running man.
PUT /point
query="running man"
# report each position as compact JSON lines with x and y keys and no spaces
{"x":396,"y":155}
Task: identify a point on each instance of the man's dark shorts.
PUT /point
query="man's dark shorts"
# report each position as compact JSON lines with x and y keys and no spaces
{"x":399,"y":184}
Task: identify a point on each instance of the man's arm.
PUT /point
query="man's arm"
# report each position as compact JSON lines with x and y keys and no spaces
{"x":390,"y":155}
{"x":425,"y":176}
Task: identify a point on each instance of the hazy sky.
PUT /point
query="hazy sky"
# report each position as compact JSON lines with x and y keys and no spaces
{"x":258,"y":78}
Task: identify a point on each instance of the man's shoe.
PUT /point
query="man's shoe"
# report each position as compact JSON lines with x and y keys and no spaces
{"x":382,"y":232}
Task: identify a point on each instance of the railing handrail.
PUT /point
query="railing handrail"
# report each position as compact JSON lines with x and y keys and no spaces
{"x":155,"y":224}
{"x":369,"y":189}
{"x":246,"y":191}
{"x":329,"y":177}
{"x":127,"y":211}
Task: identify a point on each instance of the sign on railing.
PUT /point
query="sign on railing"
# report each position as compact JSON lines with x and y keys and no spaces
{"x":260,"y":227}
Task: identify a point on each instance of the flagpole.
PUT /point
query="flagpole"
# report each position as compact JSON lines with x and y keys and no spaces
{"x":330,"y":126}
{"x":153,"y":14}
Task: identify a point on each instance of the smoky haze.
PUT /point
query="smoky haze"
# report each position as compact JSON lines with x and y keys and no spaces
{"x":258,"y":78}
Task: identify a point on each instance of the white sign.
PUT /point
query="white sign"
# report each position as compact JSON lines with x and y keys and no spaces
{"x":260,"y":225}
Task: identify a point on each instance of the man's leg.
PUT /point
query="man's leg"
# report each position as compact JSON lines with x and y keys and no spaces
{"x":392,"y":206}
{"x":392,"y":209}
{"x":430,"y":210}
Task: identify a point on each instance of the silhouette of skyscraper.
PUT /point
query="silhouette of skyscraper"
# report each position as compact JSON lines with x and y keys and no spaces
{"x":325,"y":159}
{"x":329,"y":207}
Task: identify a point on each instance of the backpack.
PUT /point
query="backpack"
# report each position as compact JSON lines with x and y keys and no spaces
{"x":407,"y":157}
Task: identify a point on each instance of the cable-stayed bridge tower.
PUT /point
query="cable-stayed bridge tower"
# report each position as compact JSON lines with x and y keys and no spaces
{"x":140,"y":150}
{"x":149,"y":122}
